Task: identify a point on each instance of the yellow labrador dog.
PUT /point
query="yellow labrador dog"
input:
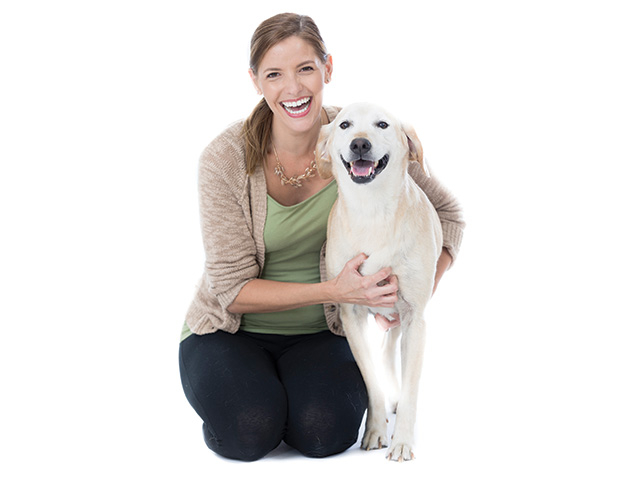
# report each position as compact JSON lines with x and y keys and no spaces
{"x":380,"y":211}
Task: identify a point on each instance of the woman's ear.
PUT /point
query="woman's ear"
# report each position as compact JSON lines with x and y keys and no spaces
{"x":415,"y":150}
{"x":322,"y":154}
{"x":254,"y":80}
{"x":329,"y":67}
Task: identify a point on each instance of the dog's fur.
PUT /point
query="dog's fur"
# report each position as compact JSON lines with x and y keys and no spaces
{"x":380,"y":211}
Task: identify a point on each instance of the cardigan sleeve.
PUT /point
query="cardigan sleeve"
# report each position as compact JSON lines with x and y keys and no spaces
{"x":447,"y":206}
{"x":226,"y":226}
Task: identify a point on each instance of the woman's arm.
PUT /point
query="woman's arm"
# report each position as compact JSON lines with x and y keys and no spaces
{"x":444,"y":262}
{"x":448,"y":209}
{"x":378,"y":290}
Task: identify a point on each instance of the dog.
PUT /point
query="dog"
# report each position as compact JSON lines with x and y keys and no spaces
{"x":381,"y":212}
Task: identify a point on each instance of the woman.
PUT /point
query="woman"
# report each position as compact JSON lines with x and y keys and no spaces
{"x":262,"y":356}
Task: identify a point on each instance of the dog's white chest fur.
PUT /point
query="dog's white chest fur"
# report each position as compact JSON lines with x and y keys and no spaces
{"x":386,"y":227}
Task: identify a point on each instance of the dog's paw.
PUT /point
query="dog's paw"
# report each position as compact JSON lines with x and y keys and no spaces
{"x":400,"y":453}
{"x":374,"y":438}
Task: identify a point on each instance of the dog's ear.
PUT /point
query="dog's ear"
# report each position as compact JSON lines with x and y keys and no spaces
{"x":415,"y":150}
{"x":322,"y":154}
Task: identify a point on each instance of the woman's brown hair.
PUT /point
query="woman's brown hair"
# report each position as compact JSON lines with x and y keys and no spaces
{"x":257,"y":128}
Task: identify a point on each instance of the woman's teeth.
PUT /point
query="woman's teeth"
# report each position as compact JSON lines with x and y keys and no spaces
{"x":296,"y":107}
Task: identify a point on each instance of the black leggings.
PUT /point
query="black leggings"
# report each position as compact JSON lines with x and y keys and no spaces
{"x":254,"y":390}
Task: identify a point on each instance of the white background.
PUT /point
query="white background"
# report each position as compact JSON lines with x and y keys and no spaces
{"x":522,"y":108}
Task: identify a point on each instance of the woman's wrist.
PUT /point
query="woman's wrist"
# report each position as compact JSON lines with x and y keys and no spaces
{"x":327,"y":293}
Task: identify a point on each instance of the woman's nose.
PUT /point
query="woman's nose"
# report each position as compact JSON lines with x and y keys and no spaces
{"x":294,"y":84}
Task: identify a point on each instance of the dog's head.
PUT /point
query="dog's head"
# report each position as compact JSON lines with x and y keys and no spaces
{"x":363,"y":141}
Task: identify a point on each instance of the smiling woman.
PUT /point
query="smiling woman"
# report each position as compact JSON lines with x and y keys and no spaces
{"x":289,"y":66}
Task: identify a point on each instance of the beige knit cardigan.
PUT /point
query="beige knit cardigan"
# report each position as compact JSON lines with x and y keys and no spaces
{"x":233,"y":213}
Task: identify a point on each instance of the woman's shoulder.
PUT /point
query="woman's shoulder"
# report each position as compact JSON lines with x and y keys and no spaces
{"x":226,"y":151}
{"x":229,"y":141}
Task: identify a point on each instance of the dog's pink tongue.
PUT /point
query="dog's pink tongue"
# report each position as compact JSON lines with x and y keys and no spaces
{"x":362,"y":169}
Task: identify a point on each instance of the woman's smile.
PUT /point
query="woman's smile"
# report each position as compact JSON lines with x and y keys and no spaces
{"x":297,"y":108}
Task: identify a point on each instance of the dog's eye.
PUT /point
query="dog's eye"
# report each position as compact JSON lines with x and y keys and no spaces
{"x":382,"y":125}
{"x":344,"y":125}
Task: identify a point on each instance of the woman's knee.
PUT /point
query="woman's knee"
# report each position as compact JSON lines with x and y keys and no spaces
{"x":322,"y":433}
{"x":241,"y":402}
{"x":249,"y":448}
{"x":251,"y":436}
{"x":314,"y":447}
{"x":318,"y":450}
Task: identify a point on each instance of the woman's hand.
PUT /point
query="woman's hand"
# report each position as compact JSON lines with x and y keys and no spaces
{"x":387,"y":323}
{"x":377,"y":290}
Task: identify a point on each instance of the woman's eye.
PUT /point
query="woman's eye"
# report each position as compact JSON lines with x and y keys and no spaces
{"x":272,"y":75}
{"x":307,"y":68}
{"x":344,"y":125}
{"x":383,"y":125}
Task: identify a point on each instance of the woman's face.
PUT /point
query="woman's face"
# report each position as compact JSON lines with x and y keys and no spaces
{"x":291,"y":78}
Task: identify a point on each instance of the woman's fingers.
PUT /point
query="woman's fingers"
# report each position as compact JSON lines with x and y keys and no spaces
{"x":357,"y":261}
{"x":386,"y":323}
{"x":377,"y":290}
{"x":383,"y":291}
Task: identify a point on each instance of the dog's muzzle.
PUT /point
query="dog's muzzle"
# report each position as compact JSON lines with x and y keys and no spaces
{"x":363,"y":171}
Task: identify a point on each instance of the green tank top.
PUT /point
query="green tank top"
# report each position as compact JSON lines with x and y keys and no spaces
{"x":293,"y":237}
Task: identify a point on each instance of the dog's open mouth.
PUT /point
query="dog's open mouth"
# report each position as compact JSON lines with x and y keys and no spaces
{"x":363,"y":171}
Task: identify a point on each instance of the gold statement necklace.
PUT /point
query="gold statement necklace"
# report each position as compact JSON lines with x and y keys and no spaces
{"x":293,"y":181}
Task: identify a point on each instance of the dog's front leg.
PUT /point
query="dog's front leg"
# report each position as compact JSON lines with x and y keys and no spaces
{"x":389,"y":354}
{"x":412,"y":349}
{"x":354,"y":320}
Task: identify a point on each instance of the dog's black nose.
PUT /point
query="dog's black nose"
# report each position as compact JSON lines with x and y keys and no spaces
{"x":360,"y":146}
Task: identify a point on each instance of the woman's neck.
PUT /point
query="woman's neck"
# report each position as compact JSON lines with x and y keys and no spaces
{"x":298,"y":144}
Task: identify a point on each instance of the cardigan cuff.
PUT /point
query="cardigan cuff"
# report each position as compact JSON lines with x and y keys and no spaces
{"x":452,"y":238}
{"x":226,"y":298}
